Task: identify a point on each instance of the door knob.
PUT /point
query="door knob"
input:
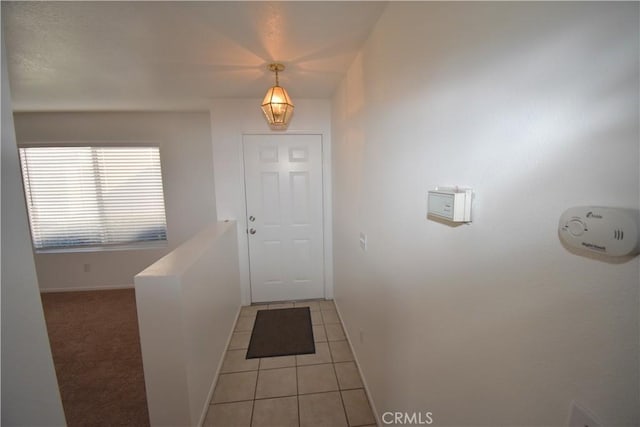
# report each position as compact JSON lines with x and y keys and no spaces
{"x":252,"y":231}
{"x":252,"y":218}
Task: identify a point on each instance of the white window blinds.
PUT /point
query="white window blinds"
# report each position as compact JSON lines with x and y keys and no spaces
{"x":93,"y":196}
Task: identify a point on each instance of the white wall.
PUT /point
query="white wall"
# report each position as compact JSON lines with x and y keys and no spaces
{"x":535,"y":106}
{"x":187,"y":304}
{"x":30,"y":393}
{"x":187,"y":172}
{"x":230,"y":118}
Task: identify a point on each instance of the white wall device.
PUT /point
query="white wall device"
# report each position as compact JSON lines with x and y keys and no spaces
{"x":451,"y":204}
{"x":605,"y":230}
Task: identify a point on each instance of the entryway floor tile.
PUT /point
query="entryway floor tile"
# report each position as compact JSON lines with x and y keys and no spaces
{"x":319,"y":389}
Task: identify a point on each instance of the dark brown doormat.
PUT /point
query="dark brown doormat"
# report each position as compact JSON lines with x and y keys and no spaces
{"x":281,"y":332}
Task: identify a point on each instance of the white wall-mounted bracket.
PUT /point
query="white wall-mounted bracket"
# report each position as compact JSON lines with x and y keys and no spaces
{"x":451,"y":204}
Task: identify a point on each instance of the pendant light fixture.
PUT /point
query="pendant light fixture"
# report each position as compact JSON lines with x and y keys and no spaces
{"x":277,"y":106}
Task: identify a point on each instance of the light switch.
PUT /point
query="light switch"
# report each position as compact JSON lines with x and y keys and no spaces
{"x":363,"y":242}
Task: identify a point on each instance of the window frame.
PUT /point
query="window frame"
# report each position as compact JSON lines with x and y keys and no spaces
{"x":132,"y":246}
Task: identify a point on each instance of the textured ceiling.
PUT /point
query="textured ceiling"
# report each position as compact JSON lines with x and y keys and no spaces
{"x":176,"y":55}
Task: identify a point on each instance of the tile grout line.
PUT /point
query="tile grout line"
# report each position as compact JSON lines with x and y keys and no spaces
{"x":328,"y":348}
{"x":344,"y":407}
{"x":298,"y":394}
{"x":253,"y":402}
{"x":333,"y":363}
{"x":282,"y":397}
{"x":364,"y":387}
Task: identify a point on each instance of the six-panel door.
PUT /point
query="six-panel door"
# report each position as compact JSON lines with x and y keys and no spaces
{"x":283,"y":179}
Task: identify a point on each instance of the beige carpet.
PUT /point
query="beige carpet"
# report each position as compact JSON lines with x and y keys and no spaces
{"x":96,"y":351}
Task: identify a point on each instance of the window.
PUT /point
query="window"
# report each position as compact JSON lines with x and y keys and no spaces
{"x":81,"y":197}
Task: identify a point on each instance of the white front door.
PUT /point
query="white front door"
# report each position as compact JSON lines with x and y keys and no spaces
{"x":283,"y":179}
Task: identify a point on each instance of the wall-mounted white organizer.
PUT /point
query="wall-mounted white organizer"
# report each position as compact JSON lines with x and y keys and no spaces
{"x":450,"y":203}
{"x":605,"y":230}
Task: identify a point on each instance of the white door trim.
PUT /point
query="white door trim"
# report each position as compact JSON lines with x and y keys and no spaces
{"x":327,"y":213}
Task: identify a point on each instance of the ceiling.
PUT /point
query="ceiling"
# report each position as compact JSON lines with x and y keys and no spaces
{"x":176,"y":55}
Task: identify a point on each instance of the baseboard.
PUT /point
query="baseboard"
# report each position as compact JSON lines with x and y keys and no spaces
{"x":85,"y":288}
{"x":218,"y":369}
{"x":355,"y":356}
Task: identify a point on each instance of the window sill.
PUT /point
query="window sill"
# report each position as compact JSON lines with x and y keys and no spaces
{"x":131,"y":247}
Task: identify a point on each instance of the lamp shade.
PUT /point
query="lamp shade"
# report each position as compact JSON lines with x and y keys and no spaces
{"x":277,"y":106}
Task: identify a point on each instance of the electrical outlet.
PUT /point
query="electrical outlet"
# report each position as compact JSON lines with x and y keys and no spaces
{"x":363,"y":242}
{"x":579,"y":416}
{"x":87,"y":268}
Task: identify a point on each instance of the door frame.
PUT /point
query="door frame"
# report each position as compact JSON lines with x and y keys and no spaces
{"x":327,"y":214}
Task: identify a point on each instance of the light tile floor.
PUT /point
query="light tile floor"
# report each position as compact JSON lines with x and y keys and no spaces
{"x":321,"y":389}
